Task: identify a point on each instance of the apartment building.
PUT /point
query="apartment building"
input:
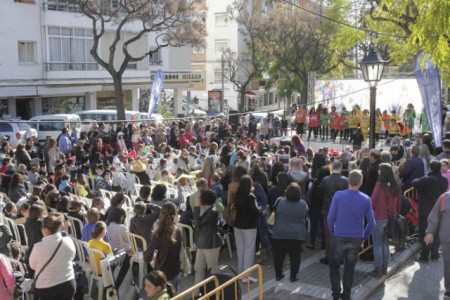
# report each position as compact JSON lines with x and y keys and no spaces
{"x":46,"y":67}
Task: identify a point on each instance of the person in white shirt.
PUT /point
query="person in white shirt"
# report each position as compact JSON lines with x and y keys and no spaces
{"x":117,"y":231}
{"x":56,"y":281}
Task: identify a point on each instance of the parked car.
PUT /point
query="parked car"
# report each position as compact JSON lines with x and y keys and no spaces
{"x":16,"y":132}
{"x":99,"y":115}
{"x":52,"y":125}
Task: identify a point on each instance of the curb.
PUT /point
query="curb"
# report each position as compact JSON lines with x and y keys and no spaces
{"x":373,"y":283}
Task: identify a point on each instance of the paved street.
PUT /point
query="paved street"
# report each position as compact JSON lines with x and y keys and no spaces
{"x":415,"y":281}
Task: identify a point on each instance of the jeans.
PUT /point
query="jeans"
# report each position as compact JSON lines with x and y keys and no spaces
{"x":283,"y":247}
{"x":446,"y":258}
{"x":346,"y":250}
{"x":380,"y":245}
{"x":176,"y":281}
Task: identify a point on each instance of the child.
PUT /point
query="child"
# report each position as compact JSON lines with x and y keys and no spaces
{"x":217,"y":187}
{"x":93,"y":215}
{"x":99,"y":181}
{"x":142,"y":222}
{"x":98,"y":243}
{"x":445,"y":170}
{"x":65,"y":186}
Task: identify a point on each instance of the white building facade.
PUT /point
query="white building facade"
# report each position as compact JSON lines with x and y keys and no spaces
{"x":46,"y":67}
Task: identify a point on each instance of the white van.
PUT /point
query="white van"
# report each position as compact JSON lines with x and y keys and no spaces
{"x":100,"y":115}
{"x":52,"y":125}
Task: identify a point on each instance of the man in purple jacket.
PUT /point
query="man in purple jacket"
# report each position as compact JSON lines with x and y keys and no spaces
{"x":346,"y":225}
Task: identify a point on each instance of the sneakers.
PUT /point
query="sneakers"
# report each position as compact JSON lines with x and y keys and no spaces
{"x":249,"y":279}
{"x":278,"y":278}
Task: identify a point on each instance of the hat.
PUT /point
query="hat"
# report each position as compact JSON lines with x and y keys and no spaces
{"x":138,"y":166}
{"x":35,"y":162}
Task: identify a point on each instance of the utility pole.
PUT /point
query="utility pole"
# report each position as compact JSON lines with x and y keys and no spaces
{"x":223,"y":85}
{"x":188,"y":99}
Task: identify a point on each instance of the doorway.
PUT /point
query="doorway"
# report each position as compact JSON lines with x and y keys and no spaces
{"x":23,"y":108}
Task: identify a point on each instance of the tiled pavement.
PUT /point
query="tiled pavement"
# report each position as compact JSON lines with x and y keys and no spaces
{"x":314,"y":282}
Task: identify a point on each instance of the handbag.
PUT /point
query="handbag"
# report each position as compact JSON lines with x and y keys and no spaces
{"x":33,"y":285}
{"x":272,"y":217}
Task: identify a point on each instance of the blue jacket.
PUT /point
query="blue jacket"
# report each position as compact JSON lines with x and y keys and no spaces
{"x":413,"y":168}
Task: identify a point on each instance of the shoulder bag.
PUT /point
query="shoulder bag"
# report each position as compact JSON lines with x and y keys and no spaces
{"x":397,"y":226}
{"x":33,"y":285}
{"x":272,"y":217}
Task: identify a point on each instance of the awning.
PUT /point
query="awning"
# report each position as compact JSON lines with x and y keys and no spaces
{"x":251,"y":95}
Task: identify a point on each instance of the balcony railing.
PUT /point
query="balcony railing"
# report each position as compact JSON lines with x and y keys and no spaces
{"x":63,"y":66}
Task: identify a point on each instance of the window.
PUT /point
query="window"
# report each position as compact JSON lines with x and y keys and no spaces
{"x":44,"y":126}
{"x":220,"y":46}
{"x":132,"y":65}
{"x":218,"y":77}
{"x":27,"y":52}
{"x":69,"y":49}
{"x":198,"y":50}
{"x":5,"y":127}
{"x":221,"y":19}
{"x":155,"y":57}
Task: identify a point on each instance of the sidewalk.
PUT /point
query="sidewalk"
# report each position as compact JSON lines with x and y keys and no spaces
{"x":314,"y":279}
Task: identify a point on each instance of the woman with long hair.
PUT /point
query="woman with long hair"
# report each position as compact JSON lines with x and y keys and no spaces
{"x":424,"y":154}
{"x":208,"y":168}
{"x":386,"y":201}
{"x":17,"y":188}
{"x":21,"y":155}
{"x":245,"y":224}
{"x":166,"y":245}
{"x":315,"y":201}
{"x":183,"y":161}
{"x":297,"y":146}
{"x":157,"y":287}
{"x":52,"y":155}
{"x":238,"y":173}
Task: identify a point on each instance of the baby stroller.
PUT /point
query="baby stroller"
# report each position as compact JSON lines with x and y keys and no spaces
{"x":410,"y":211}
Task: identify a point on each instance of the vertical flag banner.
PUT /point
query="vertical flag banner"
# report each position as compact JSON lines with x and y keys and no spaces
{"x":155,"y":93}
{"x":430,"y":88}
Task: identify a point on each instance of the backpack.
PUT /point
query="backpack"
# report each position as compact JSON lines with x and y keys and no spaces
{"x":82,"y":283}
{"x":397,"y":229}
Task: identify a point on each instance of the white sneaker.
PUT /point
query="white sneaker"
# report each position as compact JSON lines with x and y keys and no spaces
{"x":249,"y":279}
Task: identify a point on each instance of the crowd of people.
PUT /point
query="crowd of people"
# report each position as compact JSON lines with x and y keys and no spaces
{"x":218,"y":180}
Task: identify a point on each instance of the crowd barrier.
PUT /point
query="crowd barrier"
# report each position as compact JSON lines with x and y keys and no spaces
{"x":219,"y":292}
{"x":192,"y":291}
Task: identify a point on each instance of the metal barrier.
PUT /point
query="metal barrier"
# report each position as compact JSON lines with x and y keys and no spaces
{"x":218,"y":292}
{"x":367,"y":245}
{"x":411,"y":193}
{"x":192,"y":290}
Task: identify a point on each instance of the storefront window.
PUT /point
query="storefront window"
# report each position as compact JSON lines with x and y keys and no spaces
{"x":62,"y":105}
{"x":4,"y":111}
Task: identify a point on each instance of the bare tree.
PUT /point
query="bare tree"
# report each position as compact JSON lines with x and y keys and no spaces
{"x":244,"y":66}
{"x":170,"y":22}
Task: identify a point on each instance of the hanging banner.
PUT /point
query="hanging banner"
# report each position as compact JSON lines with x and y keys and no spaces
{"x":430,"y":88}
{"x":214,"y":102}
{"x":157,"y":87}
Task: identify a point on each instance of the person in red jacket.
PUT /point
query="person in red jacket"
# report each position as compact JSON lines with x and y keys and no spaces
{"x":314,"y":120}
{"x":386,"y":200}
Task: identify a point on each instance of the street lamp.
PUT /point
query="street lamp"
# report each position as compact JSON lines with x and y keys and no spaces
{"x":372,"y":70}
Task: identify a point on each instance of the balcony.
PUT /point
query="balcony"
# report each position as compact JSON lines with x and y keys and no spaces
{"x":63,"y":66}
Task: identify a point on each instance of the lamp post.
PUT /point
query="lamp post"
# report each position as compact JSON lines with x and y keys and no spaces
{"x":372,"y":71}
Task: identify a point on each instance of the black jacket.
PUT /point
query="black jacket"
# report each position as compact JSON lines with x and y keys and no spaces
{"x":247,"y":212}
{"x":206,"y":233}
{"x":430,"y":188}
{"x":331,"y":184}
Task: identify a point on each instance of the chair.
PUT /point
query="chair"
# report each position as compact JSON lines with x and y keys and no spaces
{"x":23,"y":237}
{"x":105,"y":194}
{"x":137,"y":188}
{"x":82,"y":259}
{"x":190,"y":231}
{"x":26,"y":282}
{"x":91,"y":184}
{"x":15,"y":231}
{"x":96,"y":272}
{"x":76,"y":227}
{"x":226,"y":239}
{"x":138,"y":255}
{"x":129,"y":201}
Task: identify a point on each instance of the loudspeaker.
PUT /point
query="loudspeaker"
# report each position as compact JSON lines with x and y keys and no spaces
{"x":234,"y":119}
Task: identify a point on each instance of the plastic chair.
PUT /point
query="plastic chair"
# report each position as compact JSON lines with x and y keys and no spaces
{"x":82,"y":259}
{"x":26,"y":282}
{"x":106,"y":194}
{"x":96,"y":272}
{"x":76,"y":227}
{"x":137,"y":188}
{"x":23,"y":237}
{"x":138,"y":255}
{"x":190,"y":235}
